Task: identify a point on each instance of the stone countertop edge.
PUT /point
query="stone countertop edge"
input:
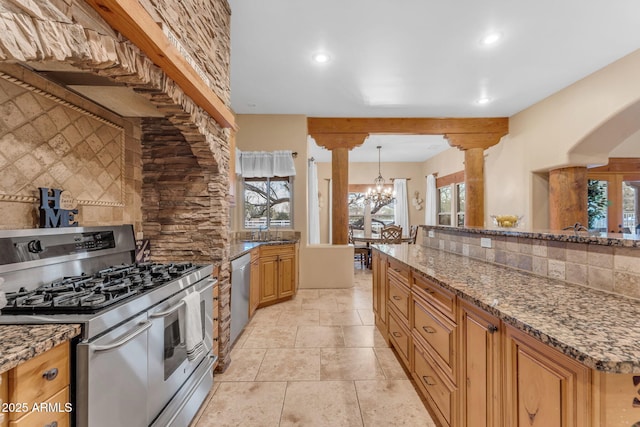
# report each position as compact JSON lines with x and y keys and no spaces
{"x":598,"y":238}
{"x":237,"y":249}
{"x":20,"y":343}
{"x":596,"y":328}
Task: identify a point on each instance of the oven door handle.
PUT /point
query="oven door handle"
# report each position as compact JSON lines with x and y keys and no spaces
{"x":122,"y":341}
{"x":181,"y":303}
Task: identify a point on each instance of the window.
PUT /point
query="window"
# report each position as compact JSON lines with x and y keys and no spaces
{"x":267,"y":202}
{"x":451,"y":204}
{"x":381,"y":214}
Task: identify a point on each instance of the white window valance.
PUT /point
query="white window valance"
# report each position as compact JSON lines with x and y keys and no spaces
{"x":266,"y":164}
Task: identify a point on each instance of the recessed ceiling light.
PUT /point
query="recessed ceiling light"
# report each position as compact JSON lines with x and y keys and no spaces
{"x":484,"y":100}
{"x":491,"y":38}
{"x":321,"y":57}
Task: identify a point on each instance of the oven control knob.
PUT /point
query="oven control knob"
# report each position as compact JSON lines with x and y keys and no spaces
{"x":35,"y":246}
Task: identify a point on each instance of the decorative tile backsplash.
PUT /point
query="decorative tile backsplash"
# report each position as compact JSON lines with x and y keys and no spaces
{"x":611,"y":268}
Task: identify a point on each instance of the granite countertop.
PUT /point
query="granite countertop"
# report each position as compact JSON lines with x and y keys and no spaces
{"x":591,"y":237}
{"x":597,"y":328}
{"x":237,"y":249}
{"x":20,"y":343}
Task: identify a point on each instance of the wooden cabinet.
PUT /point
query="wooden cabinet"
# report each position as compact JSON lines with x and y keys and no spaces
{"x":278,"y":273}
{"x":379,"y":267}
{"x":41,"y":382}
{"x":4,"y":398}
{"x":254,"y":287}
{"x":544,"y":388}
{"x":480,"y":368}
{"x":398,"y":306}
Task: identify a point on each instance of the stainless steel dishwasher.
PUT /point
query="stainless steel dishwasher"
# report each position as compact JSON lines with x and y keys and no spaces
{"x":240,"y":282}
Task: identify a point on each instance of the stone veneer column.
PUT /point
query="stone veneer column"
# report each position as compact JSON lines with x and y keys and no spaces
{"x":568,"y":197}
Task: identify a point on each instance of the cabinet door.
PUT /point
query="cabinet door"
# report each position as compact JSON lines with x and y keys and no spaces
{"x":375,"y":265}
{"x":481,"y":368}
{"x":268,"y":279}
{"x":4,"y":398}
{"x":254,"y":287}
{"x":287,"y":270}
{"x":544,"y":387}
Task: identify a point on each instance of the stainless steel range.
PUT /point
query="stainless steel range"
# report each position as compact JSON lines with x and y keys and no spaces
{"x":132,"y":364}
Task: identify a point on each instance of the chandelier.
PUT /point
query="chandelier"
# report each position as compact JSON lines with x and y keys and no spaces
{"x":379,"y":195}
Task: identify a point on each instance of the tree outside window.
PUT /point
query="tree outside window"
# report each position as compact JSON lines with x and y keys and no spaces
{"x":267,"y":202}
{"x":381,"y":213}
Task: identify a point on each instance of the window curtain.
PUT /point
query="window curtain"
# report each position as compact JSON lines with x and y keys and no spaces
{"x":314,"y":208}
{"x":267,"y":164}
{"x":431,"y":205}
{"x":401,"y":214}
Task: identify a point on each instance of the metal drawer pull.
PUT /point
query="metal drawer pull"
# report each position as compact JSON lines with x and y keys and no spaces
{"x":429,"y":329}
{"x":429,"y":291}
{"x":53,"y":424}
{"x":144,"y":326}
{"x":396,"y":297}
{"x":51,"y":374}
{"x":428,"y":380}
{"x":492,"y":328}
{"x":397,"y":334}
{"x":167,"y":312}
{"x":181,"y":303}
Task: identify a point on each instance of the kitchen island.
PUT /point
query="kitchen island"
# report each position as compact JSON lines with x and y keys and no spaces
{"x":489,"y":344}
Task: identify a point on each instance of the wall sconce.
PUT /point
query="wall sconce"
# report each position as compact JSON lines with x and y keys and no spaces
{"x":417,"y":201}
{"x":320,"y":201}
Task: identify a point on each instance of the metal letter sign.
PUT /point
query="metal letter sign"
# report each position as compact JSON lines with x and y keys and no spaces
{"x":51,"y":214}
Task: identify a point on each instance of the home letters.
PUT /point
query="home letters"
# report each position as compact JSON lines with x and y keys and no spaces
{"x":51,"y":213}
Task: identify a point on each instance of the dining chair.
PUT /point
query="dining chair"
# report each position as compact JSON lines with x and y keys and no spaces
{"x":413,"y":233}
{"x":391,"y":234}
{"x":360,"y":252}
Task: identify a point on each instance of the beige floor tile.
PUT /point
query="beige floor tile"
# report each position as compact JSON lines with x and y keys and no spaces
{"x":363,"y":336}
{"x":321,"y":404}
{"x":235,"y":404}
{"x":355,"y":302}
{"x":339,"y":318}
{"x":290,"y":364}
{"x":244,"y":365}
{"x":349,"y":364}
{"x":390,"y":364}
{"x":307,"y":293}
{"x":391,"y":402}
{"x":265,"y":316}
{"x":300,"y":317}
{"x":367,"y":316}
{"x":319,"y":336}
{"x":271,"y":337}
{"x":322,"y":304}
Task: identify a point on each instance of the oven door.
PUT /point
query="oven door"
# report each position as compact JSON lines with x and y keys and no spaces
{"x":169,"y":367}
{"x":111,"y":377}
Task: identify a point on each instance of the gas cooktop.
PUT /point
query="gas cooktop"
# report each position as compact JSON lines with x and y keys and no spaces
{"x":92,"y":293}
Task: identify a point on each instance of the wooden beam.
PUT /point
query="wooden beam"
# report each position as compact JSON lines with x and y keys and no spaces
{"x":465,"y":141}
{"x":474,"y":187}
{"x":340,"y":187}
{"x":453,"y":178}
{"x":130,"y":19}
{"x":331,"y":141}
{"x":408,"y":126}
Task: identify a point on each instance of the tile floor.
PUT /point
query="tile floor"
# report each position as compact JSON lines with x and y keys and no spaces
{"x":316,"y":360}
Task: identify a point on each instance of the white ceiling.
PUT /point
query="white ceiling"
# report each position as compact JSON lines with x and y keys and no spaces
{"x":418,"y":58}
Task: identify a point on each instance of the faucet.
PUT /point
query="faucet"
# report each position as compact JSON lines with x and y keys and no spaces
{"x":577,"y":227}
{"x":261,"y":235}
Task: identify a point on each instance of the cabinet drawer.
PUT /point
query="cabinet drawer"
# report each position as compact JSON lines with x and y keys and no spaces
{"x":41,"y":377}
{"x":274,"y":250}
{"x":400,"y":338}
{"x":440,"y":393}
{"x":399,"y":271}
{"x":438,"y":332}
{"x":442,"y":299}
{"x":399,"y":298}
{"x":52,"y":410}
